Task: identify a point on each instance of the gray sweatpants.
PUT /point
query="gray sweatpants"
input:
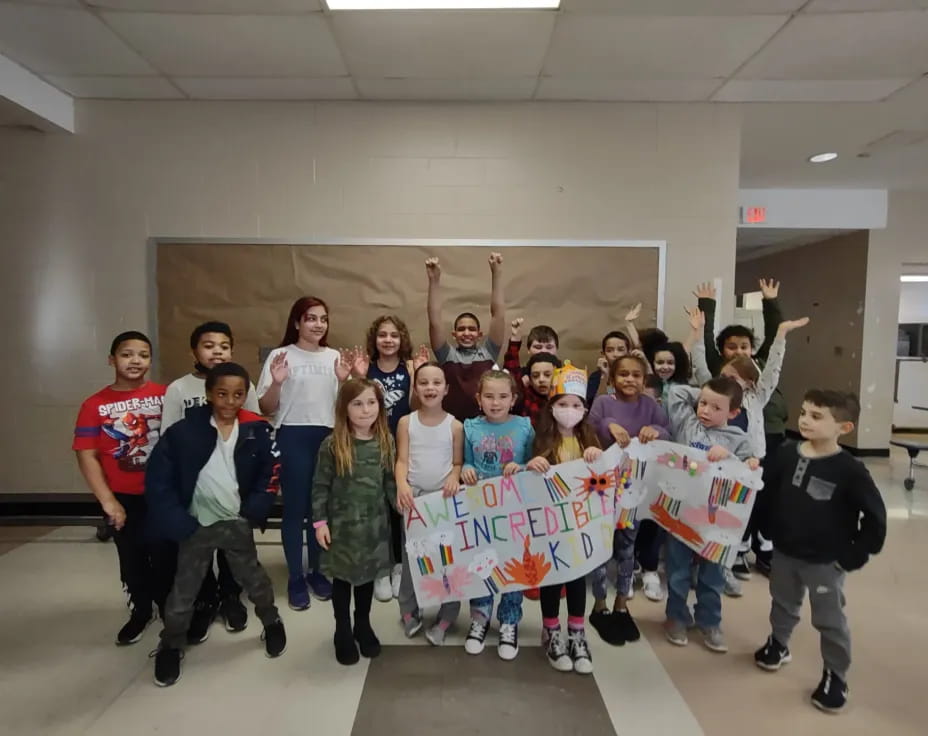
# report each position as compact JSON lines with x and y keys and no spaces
{"x":195,"y":554}
{"x":789,"y":579}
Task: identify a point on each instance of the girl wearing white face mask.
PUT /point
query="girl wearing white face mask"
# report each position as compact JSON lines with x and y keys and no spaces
{"x":562,"y":435}
{"x":619,"y":417}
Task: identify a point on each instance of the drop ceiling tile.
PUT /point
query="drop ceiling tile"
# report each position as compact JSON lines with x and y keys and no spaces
{"x":428,"y":45}
{"x":232,"y":45}
{"x":256,"y":88}
{"x":57,"y":40}
{"x":520,"y":88}
{"x":852,"y":6}
{"x":667,"y":48}
{"x":260,"y":7}
{"x":849,"y":46}
{"x":684,"y":7}
{"x":119,"y":88}
{"x":840,"y":90}
{"x":624,"y":90}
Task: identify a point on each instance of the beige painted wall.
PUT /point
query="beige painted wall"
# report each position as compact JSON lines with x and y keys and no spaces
{"x":905,"y":240}
{"x":76,"y":212}
{"x":825,"y":281}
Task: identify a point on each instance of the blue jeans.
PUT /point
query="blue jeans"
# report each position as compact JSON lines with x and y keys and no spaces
{"x":709,"y":583}
{"x":298,"y":447}
{"x":509,"y":611}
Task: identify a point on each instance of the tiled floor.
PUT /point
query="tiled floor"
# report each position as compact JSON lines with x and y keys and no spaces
{"x":60,"y":673}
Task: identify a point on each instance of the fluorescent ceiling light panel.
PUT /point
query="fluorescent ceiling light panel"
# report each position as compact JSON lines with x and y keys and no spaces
{"x":821,"y":158}
{"x":914,"y":278}
{"x":443,"y":4}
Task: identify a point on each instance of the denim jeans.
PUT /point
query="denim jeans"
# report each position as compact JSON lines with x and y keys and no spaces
{"x":709,"y":584}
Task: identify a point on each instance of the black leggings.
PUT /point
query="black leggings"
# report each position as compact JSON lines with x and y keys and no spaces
{"x":341,"y":600}
{"x":576,"y":599}
{"x":648,"y":545}
{"x":761,"y":510}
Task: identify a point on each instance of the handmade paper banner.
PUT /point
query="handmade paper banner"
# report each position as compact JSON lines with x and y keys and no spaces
{"x":508,"y":534}
{"x":704,"y":505}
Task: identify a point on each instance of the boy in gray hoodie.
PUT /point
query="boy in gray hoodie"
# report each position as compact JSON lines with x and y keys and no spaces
{"x":699,"y":418}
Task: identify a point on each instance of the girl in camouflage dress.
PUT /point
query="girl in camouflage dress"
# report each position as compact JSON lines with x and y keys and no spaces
{"x":351,"y":490}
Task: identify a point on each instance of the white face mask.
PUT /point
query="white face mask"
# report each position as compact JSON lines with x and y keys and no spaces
{"x":567,"y":416}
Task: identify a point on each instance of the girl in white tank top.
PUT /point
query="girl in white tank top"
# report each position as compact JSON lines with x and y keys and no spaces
{"x":429,"y":456}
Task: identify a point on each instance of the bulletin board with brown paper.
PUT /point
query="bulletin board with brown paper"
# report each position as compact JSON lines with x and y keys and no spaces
{"x":582,"y":290}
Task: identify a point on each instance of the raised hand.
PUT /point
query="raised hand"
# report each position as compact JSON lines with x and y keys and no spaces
{"x":420,"y":358}
{"x":496,"y":260}
{"x":360,"y":362}
{"x":280,"y":370}
{"x":633,"y":313}
{"x":516,"y":326}
{"x":769,"y":288}
{"x":603,"y":365}
{"x":705,"y":291}
{"x":343,"y":364}
{"x":433,"y":269}
{"x":789,"y":325}
{"x":697,"y":318}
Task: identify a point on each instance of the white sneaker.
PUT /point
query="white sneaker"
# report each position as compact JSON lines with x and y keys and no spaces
{"x":476,"y":637}
{"x":508,"y":647}
{"x":436,"y":635}
{"x":383,"y":592}
{"x":732,"y":585}
{"x":651,"y":586}
{"x":631,"y":592}
{"x":395,"y":578}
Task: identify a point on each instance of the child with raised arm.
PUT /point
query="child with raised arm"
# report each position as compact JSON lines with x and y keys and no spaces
{"x":565,"y":435}
{"x":429,"y":456}
{"x":496,"y":443}
{"x":615,"y":344}
{"x":470,"y":355}
{"x":352,"y":487}
{"x":700,"y":418}
{"x":827,"y":518}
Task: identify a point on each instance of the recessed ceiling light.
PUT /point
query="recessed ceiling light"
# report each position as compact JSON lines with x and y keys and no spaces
{"x":916,"y":278}
{"x":821,"y":158}
{"x":443,"y":4}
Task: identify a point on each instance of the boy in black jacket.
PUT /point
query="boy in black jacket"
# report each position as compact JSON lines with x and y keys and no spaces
{"x":213,"y":474}
{"x":826,"y":519}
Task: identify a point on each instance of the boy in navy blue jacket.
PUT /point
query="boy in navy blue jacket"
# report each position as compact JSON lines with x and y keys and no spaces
{"x":211,"y":477}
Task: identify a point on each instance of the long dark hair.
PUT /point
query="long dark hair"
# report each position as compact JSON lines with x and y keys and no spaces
{"x":292,"y":333}
{"x":548,"y":437}
{"x":681,"y":359}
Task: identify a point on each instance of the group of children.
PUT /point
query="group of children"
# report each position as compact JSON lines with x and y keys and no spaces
{"x":356,"y":435}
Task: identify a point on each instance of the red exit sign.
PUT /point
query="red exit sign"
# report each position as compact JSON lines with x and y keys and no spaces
{"x":753,"y":215}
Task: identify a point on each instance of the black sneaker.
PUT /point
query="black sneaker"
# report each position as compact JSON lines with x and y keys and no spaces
{"x":476,"y":637}
{"x":740,"y":569}
{"x":203,"y":615}
{"x":831,"y":693}
{"x":367,"y":640}
{"x":556,"y":650}
{"x":275,"y":639}
{"x":167,"y":666}
{"x":604,"y":623}
{"x":104,"y":532}
{"x":625,"y":625}
{"x":772,"y":655}
{"x":233,"y":614}
{"x":134,"y":628}
{"x":346,"y":651}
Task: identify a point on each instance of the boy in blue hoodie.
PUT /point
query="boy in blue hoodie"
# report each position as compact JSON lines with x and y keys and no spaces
{"x":213,"y":475}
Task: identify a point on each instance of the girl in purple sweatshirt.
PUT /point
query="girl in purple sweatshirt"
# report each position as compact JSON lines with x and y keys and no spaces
{"x":619,"y":417}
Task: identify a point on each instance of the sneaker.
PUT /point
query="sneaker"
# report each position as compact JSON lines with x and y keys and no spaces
{"x":762,"y":563}
{"x":104,"y":532}
{"x":772,"y":655}
{"x":631,"y":593}
{"x":233,"y":614}
{"x":275,"y":639}
{"x":412,"y":625}
{"x":167,"y":666}
{"x":476,"y":637}
{"x":383,"y":590}
{"x":436,"y":635}
{"x":579,"y":652}
{"x":604,"y":623}
{"x":508,"y":647}
{"x":675,"y":631}
{"x":740,"y":569}
{"x":367,"y":640}
{"x":625,"y":625}
{"x":714,"y":640}
{"x":134,"y":628}
{"x":732,"y":585}
{"x":319,"y":586}
{"x":203,"y":616}
{"x":556,"y":649}
{"x":346,"y":651}
{"x":298,"y":595}
{"x":638,"y":570}
{"x":651,"y":586}
{"x":831,"y":693}
{"x":533,"y":594}
{"x":396,"y":577}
